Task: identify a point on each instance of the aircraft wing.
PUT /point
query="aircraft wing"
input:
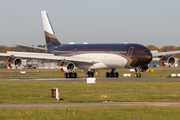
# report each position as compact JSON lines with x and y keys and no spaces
{"x":39,"y":48}
{"x":156,"y":53}
{"x":46,"y":56}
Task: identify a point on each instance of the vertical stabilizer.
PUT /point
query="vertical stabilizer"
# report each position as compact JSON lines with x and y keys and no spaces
{"x":48,"y":30}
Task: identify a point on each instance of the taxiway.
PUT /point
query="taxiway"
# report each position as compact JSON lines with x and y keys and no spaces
{"x":92,"y":104}
{"x":97,"y":79}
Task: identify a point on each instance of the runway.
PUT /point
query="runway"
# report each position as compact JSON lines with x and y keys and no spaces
{"x":97,"y":79}
{"x":92,"y":104}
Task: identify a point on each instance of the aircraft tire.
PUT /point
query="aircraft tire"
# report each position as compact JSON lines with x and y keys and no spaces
{"x":88,"y":74}
{"x":116,"y":74}
{"x":139,"y":75}
{"x":136,"y":75}
{"x":75,"y":75}
{"x":111,"y":74}
{"x":65,"y":75}
{"x":92,"y":74}
{"x":69,"y":75}
{"x":107,"y":74}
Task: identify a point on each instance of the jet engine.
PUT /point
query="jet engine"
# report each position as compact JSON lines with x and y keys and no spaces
{"x":13,"y":61}
{"x":167,"y":61}
{"x":143,"y":68}
{"x":67,"y":66}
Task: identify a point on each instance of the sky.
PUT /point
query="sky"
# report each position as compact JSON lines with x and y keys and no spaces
{"x":147,"y":22}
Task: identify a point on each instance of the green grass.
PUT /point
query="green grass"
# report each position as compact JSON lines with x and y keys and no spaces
{"x":92,"y":113}
{"x":40,"y":91}
{"x":158,"y":72}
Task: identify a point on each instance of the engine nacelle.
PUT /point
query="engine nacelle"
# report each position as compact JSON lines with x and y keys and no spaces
{"x":13,"y":61}
{"x":167,"y":61}
{"x":143,"y":68}
{"x":67,"y":66}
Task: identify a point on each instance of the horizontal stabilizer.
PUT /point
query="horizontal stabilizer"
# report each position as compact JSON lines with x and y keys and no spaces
{"x":39,"y":48}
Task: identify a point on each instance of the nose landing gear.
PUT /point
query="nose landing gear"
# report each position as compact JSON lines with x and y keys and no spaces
{"x":137,"y":74}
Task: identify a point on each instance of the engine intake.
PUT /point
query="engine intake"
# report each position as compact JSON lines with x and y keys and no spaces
{"x":67,"y":66}
{"x":13,"y":61}
{"x":167,"y":61}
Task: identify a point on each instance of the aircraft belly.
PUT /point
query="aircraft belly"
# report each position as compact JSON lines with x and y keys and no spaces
{"x":92,"y":66}
{"x":107,"y":61}
{"x":114,"y":61}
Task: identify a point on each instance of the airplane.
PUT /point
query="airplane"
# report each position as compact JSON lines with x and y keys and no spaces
{"x":91,"y":57}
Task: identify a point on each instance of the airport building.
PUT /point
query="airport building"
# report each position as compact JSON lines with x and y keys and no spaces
{"x":3,"y":63}
{"x":39,"y":64}
{"x":42,"y":64}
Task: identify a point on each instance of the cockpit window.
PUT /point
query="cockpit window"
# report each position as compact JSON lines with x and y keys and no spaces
{"x":140,"y":51}
{"x":143,"y":51}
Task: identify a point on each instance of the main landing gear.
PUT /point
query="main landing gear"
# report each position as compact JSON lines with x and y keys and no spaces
{"x":90,"y":74}
{"x":112,"y":74}
{"x":70,"y":75}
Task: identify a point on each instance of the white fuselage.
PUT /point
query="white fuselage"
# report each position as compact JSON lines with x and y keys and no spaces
{"x":106,"y":61}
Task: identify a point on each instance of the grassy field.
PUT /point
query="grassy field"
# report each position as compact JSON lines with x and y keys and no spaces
{"x":40,"y":91}
{"x":158,"y":72}
{"x":92,"y":113}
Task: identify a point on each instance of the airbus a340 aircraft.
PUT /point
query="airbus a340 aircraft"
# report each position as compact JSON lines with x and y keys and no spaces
{"x":91,"y":57}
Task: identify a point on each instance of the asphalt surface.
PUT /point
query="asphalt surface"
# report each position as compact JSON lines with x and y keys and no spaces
{"x":92,"y":104}
{"x":97,"y":79}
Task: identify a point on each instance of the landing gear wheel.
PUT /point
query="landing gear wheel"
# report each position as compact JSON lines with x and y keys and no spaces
{"x":137,"y":75}
{"x":90,"y":74}
{"x":65,"y":75}
{"x":70,"y":75}
{"x":107,"y":74}
{"x":116,"y":74}
{"x":111,"y":74}
{"x":75,"y":75}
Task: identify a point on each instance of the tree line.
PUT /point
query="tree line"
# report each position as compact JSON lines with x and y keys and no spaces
{"x":164,"y":49}
{"x":3,"y":49}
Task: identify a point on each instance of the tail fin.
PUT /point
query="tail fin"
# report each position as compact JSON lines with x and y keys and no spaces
{"x":48,"y":30}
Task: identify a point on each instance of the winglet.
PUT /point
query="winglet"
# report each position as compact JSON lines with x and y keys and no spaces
{"x":48,"y":29}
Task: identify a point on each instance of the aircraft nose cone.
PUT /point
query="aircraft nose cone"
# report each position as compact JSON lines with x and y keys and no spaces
{"x":145,"y":59}
{"x":149,"y":58}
